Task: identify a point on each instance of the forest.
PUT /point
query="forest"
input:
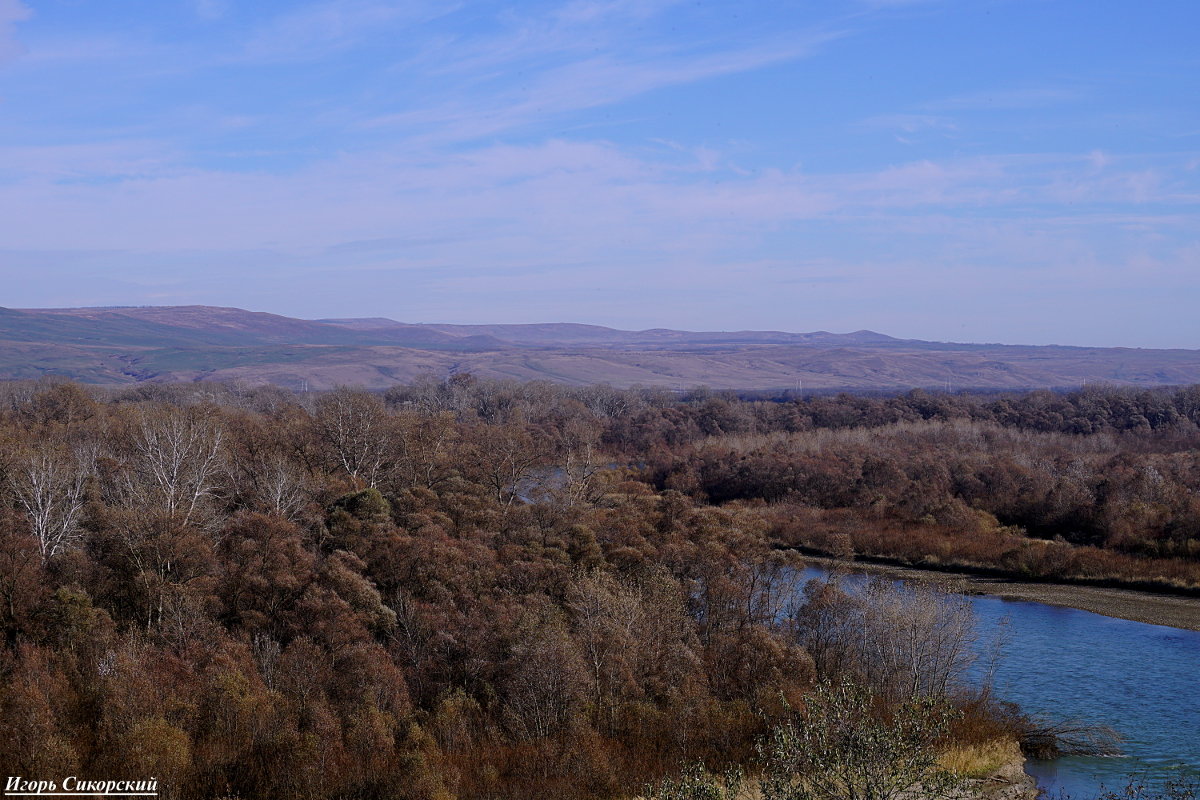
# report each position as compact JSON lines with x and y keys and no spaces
{"x":465,"y":589}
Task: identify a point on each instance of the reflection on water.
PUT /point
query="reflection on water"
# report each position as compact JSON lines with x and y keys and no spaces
{"x":1142,"y":680}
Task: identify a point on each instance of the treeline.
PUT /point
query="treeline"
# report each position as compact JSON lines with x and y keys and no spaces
{"x":975,"y":480}
{"x":700,"y":413}
{"x":471,"y":589}
{"x":1093,"y":409}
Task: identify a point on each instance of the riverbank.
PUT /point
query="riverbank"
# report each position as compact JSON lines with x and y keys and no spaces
{"x":1008,"y":782}
{"x":1004,"y":781}
{"x":1155,"y":609}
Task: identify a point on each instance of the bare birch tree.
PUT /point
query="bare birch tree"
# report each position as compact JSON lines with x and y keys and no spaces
{"x":177,"y":455}
{"x":49,"y":485}
{"x":354,"y":426}
{"x":282,"y":487}
{"x":578,"y":459}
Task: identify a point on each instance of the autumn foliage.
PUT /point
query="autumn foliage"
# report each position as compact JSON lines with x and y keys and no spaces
{"x":468,"y":589}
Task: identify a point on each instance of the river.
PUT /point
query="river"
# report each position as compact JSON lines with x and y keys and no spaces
{"x":1141,"y":680}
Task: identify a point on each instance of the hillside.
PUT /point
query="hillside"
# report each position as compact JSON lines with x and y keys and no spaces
{"x":189,"y":343}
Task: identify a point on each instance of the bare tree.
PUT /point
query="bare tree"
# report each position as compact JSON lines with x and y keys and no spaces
{"x":422,"y":445}
{"x":603,"y":401}
{"x":635,"y":637}
{"x":282,"y":486}
{"x":177,"y":453}
{"x":932,"y":636}
{"x":354,"y":426}
{"x":900,"y":640}
{"x":606,"y":618}
{"x":506,"y":456}
{"x":550,"y":683}
{"x":577,"y":447}
{"x":49,"y":485}
{"x":266,"y":651}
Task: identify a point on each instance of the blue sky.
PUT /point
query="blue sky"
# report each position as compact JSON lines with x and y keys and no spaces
{"x":970,"y":170}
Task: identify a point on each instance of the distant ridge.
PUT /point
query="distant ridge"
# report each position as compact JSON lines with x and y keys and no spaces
{"x":127,"y":344}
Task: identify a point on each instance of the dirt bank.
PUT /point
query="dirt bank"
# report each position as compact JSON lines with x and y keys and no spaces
{"x":1009,"y":782}
{"x":1155,"y":609}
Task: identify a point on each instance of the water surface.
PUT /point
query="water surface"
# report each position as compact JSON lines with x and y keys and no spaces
{"x":1142,"y":680}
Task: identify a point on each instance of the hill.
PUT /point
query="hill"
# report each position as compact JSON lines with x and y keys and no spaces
{"x":190,"y":343}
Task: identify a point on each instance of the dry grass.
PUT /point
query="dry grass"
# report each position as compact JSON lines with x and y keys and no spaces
{"x":980,"y":760}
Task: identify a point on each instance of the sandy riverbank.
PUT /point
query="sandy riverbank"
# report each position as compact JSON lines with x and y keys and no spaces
{"x":1139,"y":606}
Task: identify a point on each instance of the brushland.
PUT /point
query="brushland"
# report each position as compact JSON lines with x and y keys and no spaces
{"x":463,"y":588}
{"x":1096,"y":487}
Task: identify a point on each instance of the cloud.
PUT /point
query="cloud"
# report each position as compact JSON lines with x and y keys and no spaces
{"x":906,"y":126}
{"x":452,"y":169}
{"x":97,"y":164}
{"x":531,"y":66}
{"x":910,"y":123}
{"x":562,"y":229}
{"x":510,"y":205}
{"x":11,"y":12}
{"x":210,"y":9}
{"x":590,"y":82}
{"x":316,"y":30}
{"x":592,"y":11}
{"x":897,"y":3}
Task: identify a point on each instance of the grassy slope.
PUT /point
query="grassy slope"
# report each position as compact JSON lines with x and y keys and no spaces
{"x":197,"y":342}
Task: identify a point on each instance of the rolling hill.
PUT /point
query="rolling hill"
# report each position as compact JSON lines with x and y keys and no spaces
{"x":191,"y":343}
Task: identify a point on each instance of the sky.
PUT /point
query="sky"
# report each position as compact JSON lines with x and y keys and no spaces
{"x":1020,"y":171}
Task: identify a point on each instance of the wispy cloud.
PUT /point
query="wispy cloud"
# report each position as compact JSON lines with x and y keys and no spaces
{"x":315,"y":30}
{"x":87,"y":163}
{"x":539,"y":63}
{"x":210,"y":9}
{"x":897,"y":3}
{"x":908,"y":128}
{"x":569,"y":198}
{"x":488,"y":157}
{"x":591,"y":82}
{"x":591,"y":11}
{"x":519,"y":230}
{"x":11,"y":12}
{"x":911,"y":123}
{"x":107,"y":49}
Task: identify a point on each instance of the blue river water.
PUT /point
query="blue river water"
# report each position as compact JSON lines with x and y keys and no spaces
{"x":1141,"y":680}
